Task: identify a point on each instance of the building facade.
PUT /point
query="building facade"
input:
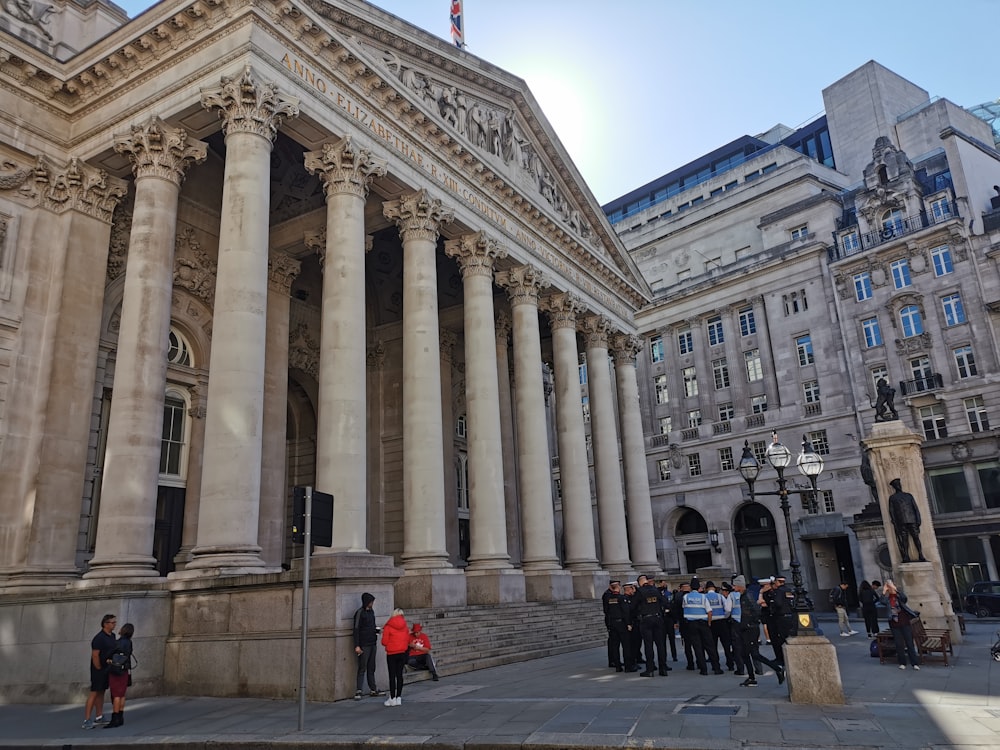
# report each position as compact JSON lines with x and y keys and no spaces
{"x":793,"y":271}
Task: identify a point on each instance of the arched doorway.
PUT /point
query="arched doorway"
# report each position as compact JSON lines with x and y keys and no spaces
{"x":756,"y":541}
{"x":691,"y":535}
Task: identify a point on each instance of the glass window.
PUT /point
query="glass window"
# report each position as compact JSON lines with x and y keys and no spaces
{"x":660,"y":384}
{"x":715,"y":334}
{"x":820,"y":444}
{"x":726,"y":411}
{"x":989,"y":481}
{"x":726,"y":459}
{"x":863,"y":286}
{"x":759,"y":449}
{"x":462,"y":480}
{"x":828,"y":505}
{"x":666,"y":423}
{"x":748,"y":325}
{"x":656,"y":349}
{"x":804,"y":348}
{"x":810,"y":390}
{"x":932,"y":420}
{"x":965,"y":361}
{"x":582,"y":369}
{"x":178,"y":350}
{"x":460,"y":426}
{"x":892,"y":223}
{"x":758,"y":404}
{"x":941,"y":259}
{"x":694,"y":418}
{"x":911,"y":320}
{"x":172,"y":441}
{"x":755,"y":370}
{"x":685,"y":343}
{"x":720,"y":369}
{"x":690,"y":381}
{"x":663,"y":465}
{"x":873,"y":334}
{"x":586,"y":408}
{"x":849,"y":242}
{"x":975,"y":410}
{"x":954,"y":313}
{"x":879,"y":372}
{"x":923,"y":376}
{"x":949,"y":491}
{"x":694,"y":465}
{"x":800,"y":232}
{"x":940,"y":209}
{"x":900,"y":273}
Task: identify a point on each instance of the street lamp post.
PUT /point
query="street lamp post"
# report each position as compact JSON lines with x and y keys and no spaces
{"x":810,"y":465}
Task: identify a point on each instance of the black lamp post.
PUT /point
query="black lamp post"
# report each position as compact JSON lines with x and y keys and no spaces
{"x":810,"y":464}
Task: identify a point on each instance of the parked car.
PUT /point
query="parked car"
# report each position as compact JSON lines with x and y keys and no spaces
{"x":983,"y":599}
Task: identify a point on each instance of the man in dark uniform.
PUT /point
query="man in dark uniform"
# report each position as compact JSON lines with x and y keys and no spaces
{"x":668,"y":616}
{"x":634,"y":637}
{"x":749,"y":629}
{"x":779,"y":601}
{"x":647,"y":610}
{"x":616,"y":620}
{"x":614,"y":591}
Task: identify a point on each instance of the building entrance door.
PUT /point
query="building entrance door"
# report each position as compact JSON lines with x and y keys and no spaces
{"x":169,"y":526}
{"x":756,"y":541}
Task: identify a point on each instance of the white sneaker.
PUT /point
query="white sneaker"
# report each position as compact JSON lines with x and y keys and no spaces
{"x":389,"y":702}
{"x":844,"y":635}
{"x":902,"y":666}
{"x":916,"y":667}
{"x":853,"y":632}
{"x":399,"y":701}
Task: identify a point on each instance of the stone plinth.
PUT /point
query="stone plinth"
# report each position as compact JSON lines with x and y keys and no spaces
{"x":589,"y":584}
{"x":813,"y":671}
{"x":916,"y":580}
{"x":548,"y":585}
{"x":494,"y":586}
{"x":434,"y":587}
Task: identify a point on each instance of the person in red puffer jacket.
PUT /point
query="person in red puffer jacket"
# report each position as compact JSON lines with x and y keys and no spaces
{"x":396,"y":640}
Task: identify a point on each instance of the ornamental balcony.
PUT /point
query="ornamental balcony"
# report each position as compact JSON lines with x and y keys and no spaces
{"x":931,"y":382}
{"x":855,"y":243}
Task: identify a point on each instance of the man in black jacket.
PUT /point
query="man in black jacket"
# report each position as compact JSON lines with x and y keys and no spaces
{"x":365,"y":643}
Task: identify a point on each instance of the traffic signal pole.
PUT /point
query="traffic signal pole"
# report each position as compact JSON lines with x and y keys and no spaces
{"x":307,"y":554}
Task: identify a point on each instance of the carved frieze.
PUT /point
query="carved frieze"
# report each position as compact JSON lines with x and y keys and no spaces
{"x":75,"y":186}
{"x":194,"y":269}
{"x":303,"y":351}
{"x":913,"y":344}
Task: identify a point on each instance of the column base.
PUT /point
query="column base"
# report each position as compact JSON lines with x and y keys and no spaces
{"x":122,"y":567}
{"x":207,"y":563}
{"x":548,"y":585}
{"x":37,"y":581}
{"x":813,"y":671}
{"x":589,"y":584}
{"x":919,"y":581}
{"x":494,"y":586}
{"x":439,"y":587}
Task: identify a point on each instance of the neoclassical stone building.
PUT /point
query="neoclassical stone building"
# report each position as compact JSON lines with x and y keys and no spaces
{"x":251,"y":245}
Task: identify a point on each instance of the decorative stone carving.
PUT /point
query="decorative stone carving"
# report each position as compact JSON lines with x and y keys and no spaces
{"x":548,"y":382}
{"x":160,"y":150}
{"x":503,"y":326}
{"x":447,"y":341}
{"x":475,"y":253}
{"x":418,"y":215}
{"x":960,"y":451}
{"x":121,"y":231}
{"x":918,"y":343}
{"x":76,"y":186}
{"x":281,"y":272}
{"x":523,"y":284}
{"x":563,"y":309}
{"x":375,"y":356}
{"x":248,"y":104}
{"x":303,"y":351}
{"x":30,"y":13}
{"x":344,"y":168}
{"x":596,"y":330}
{"x":194,"y":269}
{"x":625,"y":347}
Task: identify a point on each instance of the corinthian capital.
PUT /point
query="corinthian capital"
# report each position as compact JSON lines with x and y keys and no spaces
{"x":345,"y":169}
{"x":563,"y":309}
{"x":157,"y":149}
{"x":281,"y":272}
{"x":596,"y":329}
{"x":625,"y":347}
{"x":76,"y":186}
{"x":248,"y":104}
{"x":475,"y":253}
{"x":523,"y":284}
{"x":418,"y":215}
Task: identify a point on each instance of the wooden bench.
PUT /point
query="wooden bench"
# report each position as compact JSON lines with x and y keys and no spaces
{"x":928,"y":641}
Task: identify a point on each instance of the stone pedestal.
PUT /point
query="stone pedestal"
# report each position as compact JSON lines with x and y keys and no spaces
{"x":917,"y":581}
{"x":548,"y":585}
{"x":434,"y":587}
{"x":813,"y":671}
{"x":589,"y":584}
{"x":494,"y":586}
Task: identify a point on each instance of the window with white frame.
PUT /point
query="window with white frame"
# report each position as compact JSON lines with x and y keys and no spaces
{"x":941,"y":261}
{"x":804,"y":350}
{"x":892,"y":223}
{"x":178,"y":349}
{"x":656,"y":349}
{"x":975,"y":410}
{"x":863,"y":286}
{"x":666,"y":424}
{"x":172,"y":443}
{"x":810,"y":389}
{"x":685,"y":342}
{"x":461,"y":426}
{"x":663,"y":466}
{"x":582,"y":369}
{"x":462,"y":479}
{"x":800,"y":233}
{"x":758,"y":403}
{"x":716,"y":335}
{"x":694,"y":465}
{"x":920,"y":369}
{"x":965,"y":361}
{"x":933,"y":422}
{"x":878,"y":372}
{"x":849,"y":242}
{"x":690,"y":381}
{"x":872,"y":332}
{"x":726,"y":462}
{"x":759,"y":450}
{"x":911,"y":321}
{"x":900,"y":270}
{"x":748,"y":324}
{"x":726,"y":411}
{"x":954,"y":313}
{"x":694,"y":418}
{"x":720,"y":370}
{"x":585,"y":401}
{"x":819,"y":442}
{"x":795,"y":302}
{"x":660,"y":384}
{"x":755,"y":371}
{"x":940,"y":209}
{"x":826,"y":497}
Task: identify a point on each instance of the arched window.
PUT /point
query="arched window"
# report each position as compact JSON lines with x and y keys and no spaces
{"x":692,"y":522}
{"x":179,"y":352}
{"x":892,"y":223}
{"x":460,"y":426}
{"x":911,"y":321}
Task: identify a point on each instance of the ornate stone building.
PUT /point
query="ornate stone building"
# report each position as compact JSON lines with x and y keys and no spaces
{"x":254,"y":245}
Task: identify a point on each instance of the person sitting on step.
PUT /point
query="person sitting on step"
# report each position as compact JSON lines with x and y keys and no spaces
{"x":420,"y":651}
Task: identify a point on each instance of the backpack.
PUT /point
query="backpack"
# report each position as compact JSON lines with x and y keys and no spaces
{"x":121,"y":662}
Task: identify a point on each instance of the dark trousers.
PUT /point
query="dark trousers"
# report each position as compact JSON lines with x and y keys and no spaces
{"x":751,"y":652}
{"x":618,"y":642}
{"x":688,"y":640}
{"x":779,"y":631}
{"x":736,"y":639}
{"x":654,"y":635}
{"x":366,"y":664}
{"x":903,"y":636}
{"x":635,"y":642}
{"x":871,"y":618}
{"x":668,"y":625}
{"x":395,"y":663}
{"x":722,"y":633}
{"x":423,"y":661}
{"x":703,"y":645}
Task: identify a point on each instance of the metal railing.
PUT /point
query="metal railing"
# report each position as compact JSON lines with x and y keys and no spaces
{"x":931,"y":382}
{"x":898,"y":228}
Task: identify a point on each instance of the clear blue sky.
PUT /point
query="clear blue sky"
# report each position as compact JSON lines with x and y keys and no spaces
{"x":636,"y":89}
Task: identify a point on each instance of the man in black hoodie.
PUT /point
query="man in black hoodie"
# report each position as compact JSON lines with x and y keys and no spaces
{"x":365,"y":643}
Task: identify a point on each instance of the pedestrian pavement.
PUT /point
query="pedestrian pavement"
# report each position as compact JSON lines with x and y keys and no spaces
{"x":574,"y":701}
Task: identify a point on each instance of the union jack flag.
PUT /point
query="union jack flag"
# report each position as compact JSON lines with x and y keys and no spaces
{"x":457,"y":36}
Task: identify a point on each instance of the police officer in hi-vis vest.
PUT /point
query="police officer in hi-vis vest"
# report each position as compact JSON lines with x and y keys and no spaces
{"x":698,"y":613}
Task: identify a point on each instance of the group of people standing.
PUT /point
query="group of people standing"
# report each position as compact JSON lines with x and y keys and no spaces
{"x":111,"y":663}
{"x":641,"y":619}
{"x":404,"y":646}
{"x":871,"y":596}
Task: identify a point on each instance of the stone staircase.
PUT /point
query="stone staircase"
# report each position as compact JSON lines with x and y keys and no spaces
{"x":476,"y":637}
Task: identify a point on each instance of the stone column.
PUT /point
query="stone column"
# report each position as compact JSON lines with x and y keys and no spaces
{"x":544,"y":578}
{"x":578,"y":516}
{"x":449,"y":340}
{"x":604,"y":433}
{"x":991,"y":565}
{"x":476,"y":255}
{"x":251,"y":110}
{"x":425,"y":555}
{"x":271,"y":535}
{"x":341,"y":465}
{"x":639,"y":510}
{"x":511,"y":504}
{"x":160,"y":155}
{"x":895,"y":454}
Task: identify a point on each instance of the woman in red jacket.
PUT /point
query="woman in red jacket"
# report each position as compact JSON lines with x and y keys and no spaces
{"x":396,"y":639}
